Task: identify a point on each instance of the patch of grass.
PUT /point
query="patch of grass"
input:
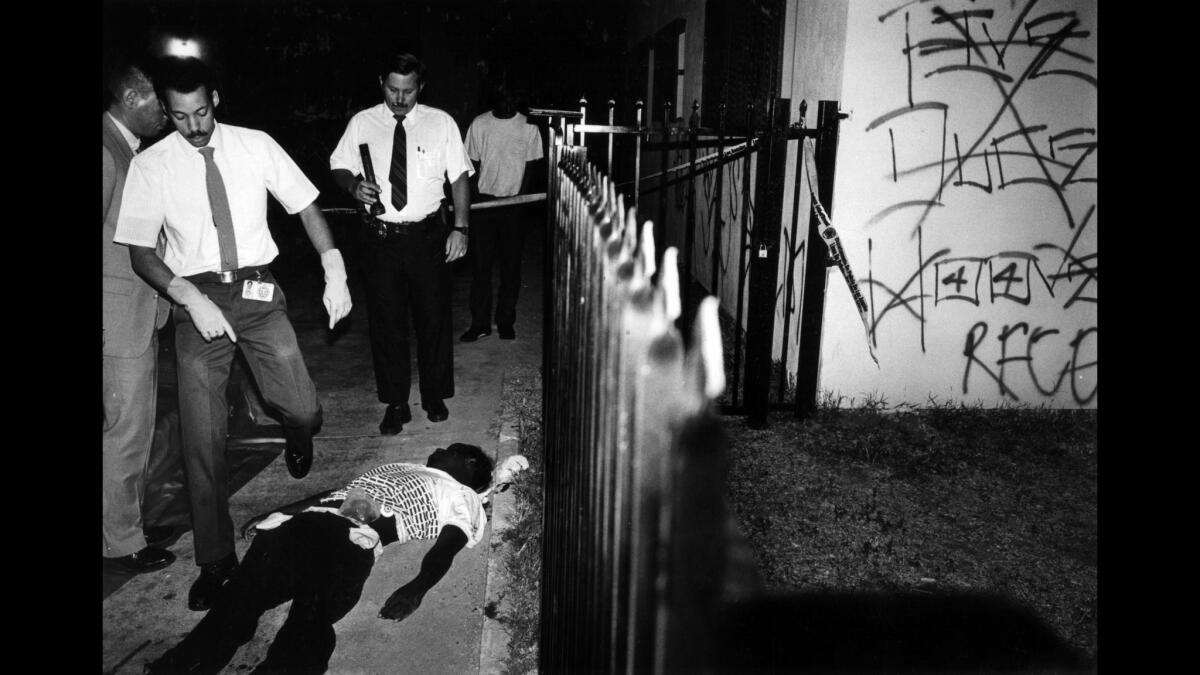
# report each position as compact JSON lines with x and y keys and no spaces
{"x":867,"y":495}
{"x":954,"y":497}
{"x":520,"y":607}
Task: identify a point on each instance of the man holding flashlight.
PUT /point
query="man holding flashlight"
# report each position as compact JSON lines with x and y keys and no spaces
{"x":407,"y":249}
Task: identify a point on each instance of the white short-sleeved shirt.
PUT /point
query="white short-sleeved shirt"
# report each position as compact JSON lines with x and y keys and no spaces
{"x":433,"y":151}
{"x":502,"y":146}
{"x":422,"y":500}
{"x":166,"y":189}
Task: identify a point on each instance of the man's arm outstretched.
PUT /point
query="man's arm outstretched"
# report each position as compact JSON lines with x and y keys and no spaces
{"x":405,"y":600}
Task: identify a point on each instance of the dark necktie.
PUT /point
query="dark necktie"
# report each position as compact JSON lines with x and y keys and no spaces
{"x":218,"y":201}
{"x":398,"y":176}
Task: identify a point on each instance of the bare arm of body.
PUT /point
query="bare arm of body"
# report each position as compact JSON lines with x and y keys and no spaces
{"x":405,"y":600}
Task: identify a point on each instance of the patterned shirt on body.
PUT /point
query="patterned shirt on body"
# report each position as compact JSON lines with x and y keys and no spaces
{"x":422,"y":500}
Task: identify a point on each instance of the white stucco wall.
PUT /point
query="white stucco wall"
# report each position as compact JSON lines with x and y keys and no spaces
{"x":966,"y":198}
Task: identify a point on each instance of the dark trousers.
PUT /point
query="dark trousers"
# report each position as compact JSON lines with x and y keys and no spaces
{"x":407,"y":276}
{"x":266,"y":339}
{"x":309,"y":560}
{"x":496,"y":234}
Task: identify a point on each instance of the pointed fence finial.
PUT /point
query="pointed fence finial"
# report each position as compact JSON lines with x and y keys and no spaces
{"x":707,"y":332}
{"x":669,"y":282}
{"x":646,"y":248}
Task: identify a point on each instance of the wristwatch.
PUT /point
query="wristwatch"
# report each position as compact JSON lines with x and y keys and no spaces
{"x":462,"y":231}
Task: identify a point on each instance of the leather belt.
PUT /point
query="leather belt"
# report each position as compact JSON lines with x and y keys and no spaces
{"x":382,"y":229}
{"x":228,"y":277}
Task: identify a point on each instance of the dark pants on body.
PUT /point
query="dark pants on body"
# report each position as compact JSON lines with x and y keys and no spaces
{"x":496,"y":234}
{"x":309,"y":560}
{"x":407,"y":275}
{"x":266,"y":339}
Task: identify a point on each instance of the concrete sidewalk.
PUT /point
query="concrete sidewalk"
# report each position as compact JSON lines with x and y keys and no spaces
{"x":148,"y":614}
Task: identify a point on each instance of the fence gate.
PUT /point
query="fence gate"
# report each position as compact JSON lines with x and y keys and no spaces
{"x":758,"y":374}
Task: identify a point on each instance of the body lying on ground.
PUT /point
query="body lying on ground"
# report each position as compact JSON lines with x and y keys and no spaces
{"x":319,"y":551}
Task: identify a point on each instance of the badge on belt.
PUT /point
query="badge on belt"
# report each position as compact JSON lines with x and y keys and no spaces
{"x":262,"y":291}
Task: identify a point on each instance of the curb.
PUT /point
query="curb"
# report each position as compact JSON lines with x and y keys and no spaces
{"x":493,"y":643}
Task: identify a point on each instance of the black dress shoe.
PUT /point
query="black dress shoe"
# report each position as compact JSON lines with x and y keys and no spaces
{"x":394,"y":419}
{"x":157,"y":534}
{"x":506,"y":332}
{"x":299,"y":455}
{"x":437,"y":411}
{"x":213,"y":576}
{"x":473,"y":333}
{"x":145,"y":560}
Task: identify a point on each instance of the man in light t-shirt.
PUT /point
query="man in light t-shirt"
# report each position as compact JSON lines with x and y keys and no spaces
{"x":319,"y":551}
{"x":503,"y":146}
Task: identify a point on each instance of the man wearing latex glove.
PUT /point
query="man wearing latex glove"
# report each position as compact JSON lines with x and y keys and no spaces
{"x":407,"y":248}
{"x":319,"y":551}
{"x":205,"y":187}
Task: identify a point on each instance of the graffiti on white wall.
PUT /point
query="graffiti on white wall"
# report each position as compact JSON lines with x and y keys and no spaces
{"x":967,"y":195}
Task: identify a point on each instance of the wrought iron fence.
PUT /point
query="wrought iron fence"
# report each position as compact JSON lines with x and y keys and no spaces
{"x":753,"y":252}
{"x":622,"y":393}
{"x":643,"y":569}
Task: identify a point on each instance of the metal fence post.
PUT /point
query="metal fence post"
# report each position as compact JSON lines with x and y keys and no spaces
{"x":792,"y":253}
{"x":742,"y":266}
{"x":689,"y":233}
{"x":764,"y":257}
{"x":812,"y":308}
{"x":715,"y":272}
{"x":660,"y":226}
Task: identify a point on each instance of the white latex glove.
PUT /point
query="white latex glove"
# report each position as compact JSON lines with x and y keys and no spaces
{"x":337,"y":293}
{"x":207,"y":318}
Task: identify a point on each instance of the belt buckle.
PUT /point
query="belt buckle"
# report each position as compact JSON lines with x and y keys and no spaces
{"x":227,"y":276}
{"x":379,"y":228}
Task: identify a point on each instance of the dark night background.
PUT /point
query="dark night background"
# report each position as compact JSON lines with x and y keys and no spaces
{"x":298,"y":69}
